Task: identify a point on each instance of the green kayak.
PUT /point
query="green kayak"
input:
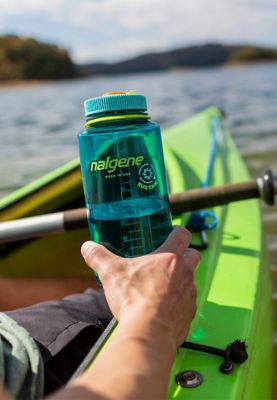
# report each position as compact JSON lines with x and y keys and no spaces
{"x":233,"y":280}
{"x":234,"y":292}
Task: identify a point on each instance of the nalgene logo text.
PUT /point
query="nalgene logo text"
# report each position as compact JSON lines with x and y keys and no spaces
{"x":111,"y":164}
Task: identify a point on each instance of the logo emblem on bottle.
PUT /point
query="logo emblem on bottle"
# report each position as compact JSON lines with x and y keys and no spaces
{"x":147,"y":177}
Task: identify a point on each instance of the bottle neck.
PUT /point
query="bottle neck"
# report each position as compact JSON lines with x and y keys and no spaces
{"x":115,"y":116}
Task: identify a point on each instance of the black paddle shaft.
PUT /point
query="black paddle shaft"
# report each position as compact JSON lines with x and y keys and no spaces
{"x":194,"y":199}
{"x":264,"y":187}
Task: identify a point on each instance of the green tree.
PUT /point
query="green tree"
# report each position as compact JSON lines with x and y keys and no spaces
{"x":27,"y":58}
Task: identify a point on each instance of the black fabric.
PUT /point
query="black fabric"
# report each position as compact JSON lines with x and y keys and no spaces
{"x":65,"y":330}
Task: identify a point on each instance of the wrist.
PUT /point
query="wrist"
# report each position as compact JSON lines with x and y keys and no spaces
{"x":144,"y":352}
{"x":144,"y":322}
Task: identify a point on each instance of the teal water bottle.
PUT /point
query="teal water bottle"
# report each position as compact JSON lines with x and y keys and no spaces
{"x":123,"y":175}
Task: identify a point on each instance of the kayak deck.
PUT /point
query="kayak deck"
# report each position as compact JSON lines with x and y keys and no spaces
{"x":233,"y":283}
{"x":234,"y":290}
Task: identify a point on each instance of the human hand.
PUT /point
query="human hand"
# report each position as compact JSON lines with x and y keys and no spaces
{"x":160,"y":284}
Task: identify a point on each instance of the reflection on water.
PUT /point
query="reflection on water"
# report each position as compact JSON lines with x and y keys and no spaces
{"x":39,"y":124}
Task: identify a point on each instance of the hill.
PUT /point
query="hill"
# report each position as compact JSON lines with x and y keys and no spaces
{"x":27,"y":58}
{"x":187,"y":57}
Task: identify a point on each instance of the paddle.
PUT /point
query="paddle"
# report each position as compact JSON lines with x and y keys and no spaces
{"x":265,"y":188}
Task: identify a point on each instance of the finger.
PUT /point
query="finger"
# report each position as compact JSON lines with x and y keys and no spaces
{"x":97,"y":256}
{"x":177,"y":241}
{"x":192,"y":257}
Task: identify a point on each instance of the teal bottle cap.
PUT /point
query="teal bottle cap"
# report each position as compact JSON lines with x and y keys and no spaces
{"x":115,"y":101}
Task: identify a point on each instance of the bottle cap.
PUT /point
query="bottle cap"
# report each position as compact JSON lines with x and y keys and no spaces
{"x":115,"y":101}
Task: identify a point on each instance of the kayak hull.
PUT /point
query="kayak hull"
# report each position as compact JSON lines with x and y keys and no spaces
{"x":233,"y":279}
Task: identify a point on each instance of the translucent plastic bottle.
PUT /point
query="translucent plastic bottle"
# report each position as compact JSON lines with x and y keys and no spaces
{"x":123,"y":175}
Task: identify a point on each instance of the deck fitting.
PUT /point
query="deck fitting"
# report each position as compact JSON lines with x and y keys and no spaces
{"x":189,"y":379}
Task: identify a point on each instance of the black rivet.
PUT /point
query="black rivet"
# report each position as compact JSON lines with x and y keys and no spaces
{"x":226,"y":367}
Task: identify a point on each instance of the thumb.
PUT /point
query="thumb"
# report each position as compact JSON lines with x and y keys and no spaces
{"x":177,"y":241}
{"x":97,"y":256}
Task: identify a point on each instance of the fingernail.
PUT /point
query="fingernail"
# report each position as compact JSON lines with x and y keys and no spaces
{"x":85,"y":248}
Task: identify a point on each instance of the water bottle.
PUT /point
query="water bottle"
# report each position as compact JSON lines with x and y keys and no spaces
{"x":124,"y":175}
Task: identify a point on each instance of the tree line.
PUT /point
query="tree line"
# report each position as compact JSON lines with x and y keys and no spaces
{"x":27,"y":58}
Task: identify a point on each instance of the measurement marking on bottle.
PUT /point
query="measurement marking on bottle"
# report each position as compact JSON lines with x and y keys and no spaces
{"x":136,"y":247}
{"x":135,"y":231}
{"x":133,"y":240}
{"x":127,"y":223}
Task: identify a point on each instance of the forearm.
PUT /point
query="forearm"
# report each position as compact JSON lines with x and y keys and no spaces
{"x":5,"y":395}
{"x":154,"y":298}
{"x":135,"y":364}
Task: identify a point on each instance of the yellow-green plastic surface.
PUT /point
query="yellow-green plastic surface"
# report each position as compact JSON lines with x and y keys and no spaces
{"x":234,"y":289}
{"x":234,"y":292}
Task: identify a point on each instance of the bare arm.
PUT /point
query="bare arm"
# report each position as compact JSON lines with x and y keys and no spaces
{"x":5,"y":395}
{"x":153,"y":297}
{"x":134,"y":365}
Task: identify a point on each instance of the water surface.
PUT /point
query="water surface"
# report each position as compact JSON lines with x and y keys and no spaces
{"x":39,"y":124}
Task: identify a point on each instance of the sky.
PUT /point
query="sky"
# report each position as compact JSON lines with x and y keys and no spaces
{"x":111,"y":30}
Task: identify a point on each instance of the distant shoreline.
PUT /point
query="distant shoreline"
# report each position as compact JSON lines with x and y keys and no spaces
{"x":25,"y":83}
{"x":49,"y":63}
{"x":28,"y":83}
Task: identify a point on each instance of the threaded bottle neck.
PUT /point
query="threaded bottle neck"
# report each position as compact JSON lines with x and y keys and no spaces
{"x":117,"y":116}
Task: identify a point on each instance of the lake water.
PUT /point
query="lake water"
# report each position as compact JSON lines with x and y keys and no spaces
{"x":39,"y":124}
